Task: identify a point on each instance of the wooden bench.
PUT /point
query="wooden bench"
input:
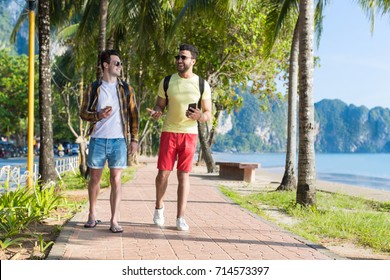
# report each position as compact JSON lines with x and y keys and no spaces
{"x":242,"y":171}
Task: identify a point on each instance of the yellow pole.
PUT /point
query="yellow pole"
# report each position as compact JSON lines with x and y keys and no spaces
{"x":30,"y":133}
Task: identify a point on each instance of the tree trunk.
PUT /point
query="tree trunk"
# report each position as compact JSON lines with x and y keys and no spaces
{"x":83,"y":157}
{"x":213,"y":133}
{"x":103,"y":11}
{"x":306,"y":190}
{"x":83,"y":142}
{"x":289,"y":182}
{"x":206,"y":151}
{"x":46,"y":158}
{"x":111,"y":42}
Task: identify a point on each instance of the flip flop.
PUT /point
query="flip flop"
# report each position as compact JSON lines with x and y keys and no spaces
{"x":116,"y":229}
{"x":92,"y":224}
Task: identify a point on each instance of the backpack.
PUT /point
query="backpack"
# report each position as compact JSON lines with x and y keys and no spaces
{"x":166,"y":84}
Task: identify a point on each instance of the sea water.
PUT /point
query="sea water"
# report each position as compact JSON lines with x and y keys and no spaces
{"x":367,"y":170}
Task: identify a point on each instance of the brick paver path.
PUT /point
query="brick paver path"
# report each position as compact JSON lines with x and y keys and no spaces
{"x":219,"y":229}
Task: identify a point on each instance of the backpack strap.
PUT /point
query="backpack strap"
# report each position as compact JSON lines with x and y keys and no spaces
{"x":166,"y":84}
{"x":95,"y":85}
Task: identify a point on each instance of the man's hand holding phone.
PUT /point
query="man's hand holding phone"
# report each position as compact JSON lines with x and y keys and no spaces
{"x":192,"y":112}
{"x":105,"y":112}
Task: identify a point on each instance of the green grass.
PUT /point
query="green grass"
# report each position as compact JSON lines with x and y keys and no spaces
{"x":336,"y":216}
{"x":78,"y":182}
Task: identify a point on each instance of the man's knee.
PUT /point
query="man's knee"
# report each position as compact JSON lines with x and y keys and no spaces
{"x":94,"y":181}
{"x":163,"y":174}
{"x":182,"y":174}
{"x":115,"y":174}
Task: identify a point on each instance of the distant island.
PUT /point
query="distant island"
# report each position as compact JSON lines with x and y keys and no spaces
{"x":340,"y":128}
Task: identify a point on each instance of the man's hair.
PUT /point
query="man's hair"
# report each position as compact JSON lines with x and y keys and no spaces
{"x":191,"y":48}
{"x":105,"y":56}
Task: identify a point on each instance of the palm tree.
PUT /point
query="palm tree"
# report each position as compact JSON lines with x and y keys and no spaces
{"x":279,"y":12}
{"x":289,"y":180}
{"x":60,"y":11}
{"x":46,"y":159}
{"x":103,"y":12}
{"x":306,"y":188}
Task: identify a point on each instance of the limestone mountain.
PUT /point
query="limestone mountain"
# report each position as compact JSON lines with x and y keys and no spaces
{"x":340,"y":128}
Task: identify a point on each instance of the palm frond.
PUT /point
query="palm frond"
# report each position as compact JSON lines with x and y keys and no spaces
{"x":215,"y":7}
{"x":67,"y":32}
{"x":318,"y":20}
{"x":22,"y":17}
{"x":278,"y":14}
{"x":372,"y":7}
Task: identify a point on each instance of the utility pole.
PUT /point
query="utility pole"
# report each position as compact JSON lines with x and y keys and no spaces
{"x":30,"y":133}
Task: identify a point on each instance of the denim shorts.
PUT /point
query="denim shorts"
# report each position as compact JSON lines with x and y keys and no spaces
{"x":112,"y":150}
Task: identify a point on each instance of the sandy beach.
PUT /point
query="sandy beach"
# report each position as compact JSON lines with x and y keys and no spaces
{"x":263,"y":176}
{"x":267,"y":180}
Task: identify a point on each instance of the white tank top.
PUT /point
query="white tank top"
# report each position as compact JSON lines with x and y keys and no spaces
{"x":110,"y":127}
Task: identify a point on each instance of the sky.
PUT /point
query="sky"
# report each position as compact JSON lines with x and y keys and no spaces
{"x":354,"y":63}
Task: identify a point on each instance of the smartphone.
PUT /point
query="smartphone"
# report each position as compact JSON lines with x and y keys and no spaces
{"x":192,"y":105}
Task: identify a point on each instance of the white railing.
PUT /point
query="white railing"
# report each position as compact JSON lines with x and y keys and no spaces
{"x":17,"y":175}
{"x":65,"y":164}
{"x":11,"y":175}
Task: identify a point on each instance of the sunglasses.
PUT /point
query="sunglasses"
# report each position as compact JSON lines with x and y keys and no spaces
{"x":117,"y":63}
{"x":183,"y":57}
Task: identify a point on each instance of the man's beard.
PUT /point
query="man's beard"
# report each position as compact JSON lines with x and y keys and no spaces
{"x":182,"y":68}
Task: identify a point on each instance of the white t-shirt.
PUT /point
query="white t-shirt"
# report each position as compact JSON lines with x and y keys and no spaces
{"x":110,"y":127}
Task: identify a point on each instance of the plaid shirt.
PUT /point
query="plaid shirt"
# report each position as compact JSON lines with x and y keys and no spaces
{"x":129,"y":112}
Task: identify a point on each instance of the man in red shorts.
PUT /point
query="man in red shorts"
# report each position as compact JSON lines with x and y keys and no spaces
{"x":179,"y":133}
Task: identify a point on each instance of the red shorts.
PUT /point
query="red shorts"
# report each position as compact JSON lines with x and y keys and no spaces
{"x":180,"y":146}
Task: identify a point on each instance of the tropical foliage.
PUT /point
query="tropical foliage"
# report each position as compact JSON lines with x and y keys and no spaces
{"x":13,"y":94}
{"x":230,"y":42}
{"x":24,"y":212}
{"x":23,"y":206}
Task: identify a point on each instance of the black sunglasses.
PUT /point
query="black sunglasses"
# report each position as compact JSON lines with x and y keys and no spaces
{"x":183,"y":57}
{"x":117,"y":63}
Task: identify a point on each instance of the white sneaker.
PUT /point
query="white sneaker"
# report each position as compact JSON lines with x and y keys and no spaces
{"x":158,"y":217}
{"x":181,"y":224}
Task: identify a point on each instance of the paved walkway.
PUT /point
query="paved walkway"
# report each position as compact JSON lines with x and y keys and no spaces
{"x":219,"y":229}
